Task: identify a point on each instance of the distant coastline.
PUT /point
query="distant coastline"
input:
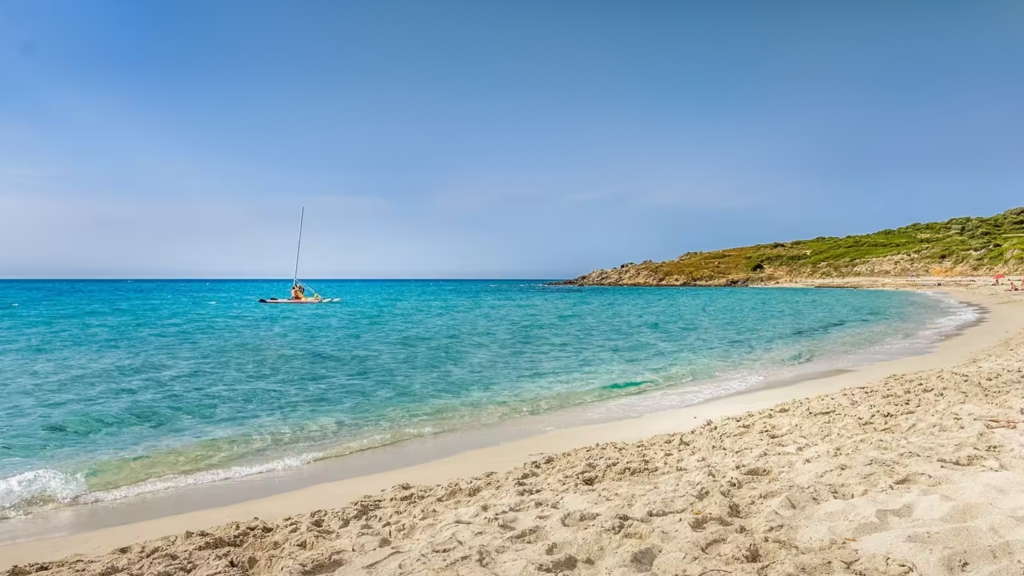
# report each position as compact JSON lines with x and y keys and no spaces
{"x":959,"y":247}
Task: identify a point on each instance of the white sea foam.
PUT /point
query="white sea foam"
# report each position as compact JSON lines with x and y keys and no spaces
{"x":19,"y":494}
{"x":206,"y":477}
{"x":960,"y":315}
{"x":38,"y":486}
{"x":46,"y":487}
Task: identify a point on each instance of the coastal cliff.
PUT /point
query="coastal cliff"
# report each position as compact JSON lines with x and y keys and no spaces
{"x":957,"y":247}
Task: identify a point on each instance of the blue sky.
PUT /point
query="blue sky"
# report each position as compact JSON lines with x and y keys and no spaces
{"x":489,"y":139}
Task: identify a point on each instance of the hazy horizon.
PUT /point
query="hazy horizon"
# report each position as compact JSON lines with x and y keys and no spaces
{"x":461,"y":140}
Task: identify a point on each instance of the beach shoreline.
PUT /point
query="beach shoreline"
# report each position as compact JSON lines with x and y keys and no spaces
{"x":175,"y":498}
{"x":1003,"y":318}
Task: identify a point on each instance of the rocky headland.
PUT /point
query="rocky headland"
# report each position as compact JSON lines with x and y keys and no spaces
{"x":956,"y":247}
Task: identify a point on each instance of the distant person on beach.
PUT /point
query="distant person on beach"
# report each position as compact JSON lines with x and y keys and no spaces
{"x":1013,"y":287}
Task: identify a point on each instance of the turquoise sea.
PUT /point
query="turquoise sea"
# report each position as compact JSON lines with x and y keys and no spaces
{"x":116,"y":388}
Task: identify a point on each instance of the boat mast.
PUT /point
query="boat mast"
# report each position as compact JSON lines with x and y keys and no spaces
{"x":298,"y":249}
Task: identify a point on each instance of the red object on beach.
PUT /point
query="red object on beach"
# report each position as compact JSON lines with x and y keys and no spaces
{"x":998,"y":276}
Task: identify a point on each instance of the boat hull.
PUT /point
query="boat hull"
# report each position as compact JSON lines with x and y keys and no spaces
{"x":306,"y":301}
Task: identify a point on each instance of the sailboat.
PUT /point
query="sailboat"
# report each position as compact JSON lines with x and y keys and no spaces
{"x":298,"y":286}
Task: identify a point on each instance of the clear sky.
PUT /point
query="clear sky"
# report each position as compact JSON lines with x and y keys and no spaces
{"x":489,"y":139}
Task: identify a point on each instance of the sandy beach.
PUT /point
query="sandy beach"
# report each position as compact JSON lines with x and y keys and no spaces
{"x":912,"y":466}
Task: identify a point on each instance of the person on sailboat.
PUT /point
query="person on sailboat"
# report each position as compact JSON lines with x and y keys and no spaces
{"x":298,"y":291}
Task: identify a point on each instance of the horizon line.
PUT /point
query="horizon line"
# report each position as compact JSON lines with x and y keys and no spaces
{"x":199,"y":279}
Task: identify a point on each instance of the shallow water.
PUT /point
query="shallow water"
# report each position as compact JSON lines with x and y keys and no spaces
{"x":116,"y":388}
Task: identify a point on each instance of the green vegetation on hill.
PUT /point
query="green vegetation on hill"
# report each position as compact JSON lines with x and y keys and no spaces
{"x":961,"y":246}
